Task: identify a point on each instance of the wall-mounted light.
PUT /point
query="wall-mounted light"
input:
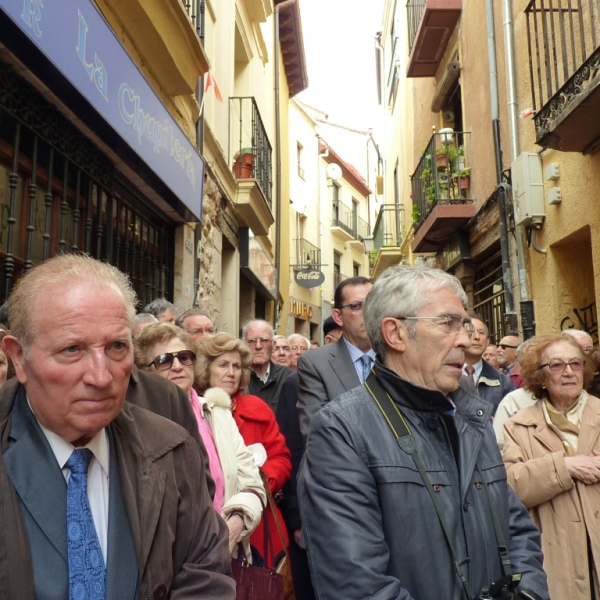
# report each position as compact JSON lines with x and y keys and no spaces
{"x":369,"y":244}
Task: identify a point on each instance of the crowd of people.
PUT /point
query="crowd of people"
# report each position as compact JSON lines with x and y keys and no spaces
{"x":407,"y":456}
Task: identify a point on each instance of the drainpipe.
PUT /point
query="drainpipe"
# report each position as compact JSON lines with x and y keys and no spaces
{"x":281,"y":5}
{"x":527,"y":314}
{"x":501,"y":188}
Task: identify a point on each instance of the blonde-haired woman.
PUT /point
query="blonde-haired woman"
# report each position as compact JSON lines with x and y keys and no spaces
{"x":222,"y":372}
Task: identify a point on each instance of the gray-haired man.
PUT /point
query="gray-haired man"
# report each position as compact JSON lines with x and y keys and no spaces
{"x":403,"y":514}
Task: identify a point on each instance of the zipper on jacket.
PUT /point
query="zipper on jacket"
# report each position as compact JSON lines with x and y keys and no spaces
{"x":450,"y":444}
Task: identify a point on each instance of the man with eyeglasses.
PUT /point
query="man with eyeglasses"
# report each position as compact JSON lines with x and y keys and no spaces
{"x":298,"y":345}
{"x":266,"y":377}
{"x":489,"y":383}
{"x":197,"y":323}
{"x":327,"y":372}
{"x":403,"y":492}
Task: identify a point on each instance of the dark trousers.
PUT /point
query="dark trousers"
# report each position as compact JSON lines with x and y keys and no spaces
{"x":300,"y":571}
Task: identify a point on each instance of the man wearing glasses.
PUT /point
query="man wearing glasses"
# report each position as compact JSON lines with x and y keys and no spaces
{"x":266,"y":377}
{"x":327,"y":372}
{"x":403,"y":492}
{"x":196,"y":322}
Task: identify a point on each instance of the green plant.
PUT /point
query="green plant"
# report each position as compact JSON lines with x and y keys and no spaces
{"x":416,"y":215}
{"x":464,"y":172}
{"x":373,"y":256}
{"x":425,"y":173}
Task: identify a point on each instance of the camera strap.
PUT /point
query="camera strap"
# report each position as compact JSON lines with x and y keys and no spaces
{"x":408,"y":444}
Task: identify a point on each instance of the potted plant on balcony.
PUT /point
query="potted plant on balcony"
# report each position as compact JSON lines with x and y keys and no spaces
{"x":243,"y":164}
{"x":462,"y":178}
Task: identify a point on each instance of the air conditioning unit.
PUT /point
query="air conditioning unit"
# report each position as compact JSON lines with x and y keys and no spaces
{"x":528,"y":189}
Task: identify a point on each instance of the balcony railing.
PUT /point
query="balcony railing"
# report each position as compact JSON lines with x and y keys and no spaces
{"x":249,"y":137}
{"x":415,"y":10}
{"x":345,"y":218}
{"x":442,"y":175}
{"x":195,"y":10}
{"x":307,"y":254}
{"x":564,"y":58}
{"x":388,"y":226}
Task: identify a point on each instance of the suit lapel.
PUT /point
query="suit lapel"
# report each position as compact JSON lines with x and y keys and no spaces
{"x":122,"y":569}
{"x":342,"y":365}
{"x":143,"y":486}
{"x":36,"y":475}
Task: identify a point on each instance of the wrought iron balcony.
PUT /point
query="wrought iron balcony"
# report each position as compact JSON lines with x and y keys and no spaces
{"x":387,"y":238}
{"x":440,"y":191}
{"x":249,"y":139}
{"x":346,"y":224}
{"x":387,"y":231}
{"x":307,"y":254}
{"x":195,"y":10}
{"x":430,"y":25}
{"x":564,"y":67}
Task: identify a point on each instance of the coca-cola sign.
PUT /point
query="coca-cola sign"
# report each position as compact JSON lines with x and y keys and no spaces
{"x":309,"y":278}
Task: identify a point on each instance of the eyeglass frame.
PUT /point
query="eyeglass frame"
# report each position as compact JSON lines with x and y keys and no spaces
{"x":360,"y":308}
{"x":173,"y":355}
{"x":565,"y":365}
{"x":264,"y":341}
{"x":505,"y":346}
{"x":440,"y":320}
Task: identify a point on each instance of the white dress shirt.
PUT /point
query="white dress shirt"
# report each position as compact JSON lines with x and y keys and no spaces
{"x":477,"y":373}
{"x":97,"y":479}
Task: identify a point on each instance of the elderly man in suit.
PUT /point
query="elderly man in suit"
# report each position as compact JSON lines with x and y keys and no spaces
{"x":327,"y":372}
{"x":489,"y":383}
{"x":101,"y":499}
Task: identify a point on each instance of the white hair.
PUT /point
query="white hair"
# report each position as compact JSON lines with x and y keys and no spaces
{"x":402,"y":290}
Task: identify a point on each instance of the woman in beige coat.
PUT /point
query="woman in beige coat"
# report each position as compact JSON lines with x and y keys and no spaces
{"x":552,"y":456}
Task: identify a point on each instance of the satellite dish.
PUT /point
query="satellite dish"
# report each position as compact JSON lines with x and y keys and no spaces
{"x":334,"y":171}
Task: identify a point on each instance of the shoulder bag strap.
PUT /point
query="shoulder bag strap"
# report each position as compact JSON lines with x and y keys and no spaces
{"x":408,"y":444}
{"x":273,"y":507}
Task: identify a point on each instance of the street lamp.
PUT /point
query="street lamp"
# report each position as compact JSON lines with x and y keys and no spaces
{"x":369,"y":244}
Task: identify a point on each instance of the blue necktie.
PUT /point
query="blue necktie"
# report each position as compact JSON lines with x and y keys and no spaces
{"x":87,"y":574}
{"x":366,"y":366}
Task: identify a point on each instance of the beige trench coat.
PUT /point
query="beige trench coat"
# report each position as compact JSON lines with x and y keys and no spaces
{"x":561,"y":507}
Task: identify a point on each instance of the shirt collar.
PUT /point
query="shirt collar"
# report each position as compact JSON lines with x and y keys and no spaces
{"x":63,"y":449}
{"x":356,"y":353}
{"x":477,"y":366}
{"x":265,"y":378}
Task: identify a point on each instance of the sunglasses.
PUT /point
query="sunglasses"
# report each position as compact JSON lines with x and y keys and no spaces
{"x":354,"y":307}
{"x":505,"y":346}
{"x":558,"y":366}
{"x":165,"y":361}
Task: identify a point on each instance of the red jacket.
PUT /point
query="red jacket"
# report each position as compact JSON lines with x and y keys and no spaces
{"x":256,"y":421}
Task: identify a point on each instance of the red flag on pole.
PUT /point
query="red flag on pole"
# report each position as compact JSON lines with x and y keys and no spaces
{"x":210,"y":80}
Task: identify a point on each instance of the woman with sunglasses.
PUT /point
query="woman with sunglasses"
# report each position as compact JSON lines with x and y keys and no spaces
{"x":552,"y":456}
{"x":171,"y":352}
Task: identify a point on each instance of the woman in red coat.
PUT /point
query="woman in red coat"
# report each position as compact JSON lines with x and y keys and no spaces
{"x":224,"y":362}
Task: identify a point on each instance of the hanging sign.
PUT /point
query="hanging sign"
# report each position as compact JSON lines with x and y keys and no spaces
{"x":309,"y":278}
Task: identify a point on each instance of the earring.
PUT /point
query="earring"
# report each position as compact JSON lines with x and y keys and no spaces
{"x":543,"y":386}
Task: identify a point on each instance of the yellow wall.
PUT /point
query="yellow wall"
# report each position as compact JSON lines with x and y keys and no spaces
{"x":565,"y":280}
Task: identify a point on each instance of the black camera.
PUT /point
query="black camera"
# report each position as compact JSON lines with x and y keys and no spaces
{"x":506,"y":589}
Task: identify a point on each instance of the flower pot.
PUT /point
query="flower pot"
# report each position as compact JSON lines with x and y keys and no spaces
{"x":441,"y":161}
{"x":243,"y":165}
{"x":464,"y":182}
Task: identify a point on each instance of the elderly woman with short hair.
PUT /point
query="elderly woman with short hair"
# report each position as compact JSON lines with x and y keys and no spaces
{"x":552,"y":456}
{"x":171,"y":352}
{"x":222,"y":372}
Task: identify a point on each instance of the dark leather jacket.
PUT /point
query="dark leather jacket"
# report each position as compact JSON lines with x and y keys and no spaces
{"x":370,"y":525}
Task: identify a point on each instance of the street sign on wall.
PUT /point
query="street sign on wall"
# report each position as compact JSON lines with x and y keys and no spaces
{"x":79,"y":42}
